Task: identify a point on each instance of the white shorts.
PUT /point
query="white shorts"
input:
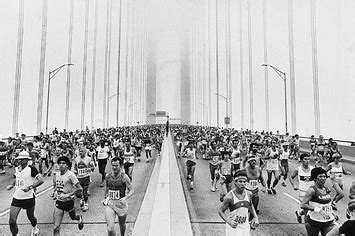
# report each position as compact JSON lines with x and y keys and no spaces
{"x":238,"y":231}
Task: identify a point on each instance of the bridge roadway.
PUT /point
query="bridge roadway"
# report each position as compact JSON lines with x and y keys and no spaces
{"x":276,"y":211}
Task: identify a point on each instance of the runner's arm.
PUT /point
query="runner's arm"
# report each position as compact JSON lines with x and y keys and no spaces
{"x":129,"y":187}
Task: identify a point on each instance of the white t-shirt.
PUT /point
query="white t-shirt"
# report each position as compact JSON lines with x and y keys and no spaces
{"x":102,"y":153}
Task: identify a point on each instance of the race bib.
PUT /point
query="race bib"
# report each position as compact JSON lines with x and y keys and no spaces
{"x":338,"y":175}
{"x":226,"y":172}
{"x":114,"y":194}
{"x":254,"y":183}
{"x":240,"y":219}
{"x":20,"y":183}
{"x":274,"y":161}
{"x":215,"y":158}
{"x":328,"y":209}
{"x":82,"y":171}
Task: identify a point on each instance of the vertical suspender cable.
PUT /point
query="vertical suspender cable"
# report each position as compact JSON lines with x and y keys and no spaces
{"x":251,"y":96}
{"x":241,"y":65}
{"x":94,"y":70}
{"x":42,"y":63}
{"x":119,"y":63}
{"x":266,"y":75}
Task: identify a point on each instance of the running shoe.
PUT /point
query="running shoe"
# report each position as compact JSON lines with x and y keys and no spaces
{"x":334,"y":206}
{"x":269,"y":191}
{"x":147,"y":160}
{"x":81,"y":223}
{"x":221,"y":197}
{"x":348,"y":214}
{"x":3,"y":172}
{"x":86,"y":207}
{"x":283,"y":184}
{"x":299,"y":217}
{"x":102,"y":184}
{"x":273,"y":190}
{"x":257,"y":211}
{"x":81,"y":202}
{"x":89,"y":192}
{"x":213,"y":189}
{"x":35,"y":231}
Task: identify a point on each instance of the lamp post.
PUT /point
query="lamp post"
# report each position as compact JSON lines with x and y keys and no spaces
{"x":283,"y":77}
{"x":51,"y":74}
{"x":226,"y":99}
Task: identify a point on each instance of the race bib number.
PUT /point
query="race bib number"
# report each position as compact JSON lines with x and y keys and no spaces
{"x":215,"y":158}
{"x":20,"y":183}
{"x":338,"y":175}
{"x":254,"y":183}
{"x":328,"y":209}
{"x":240,"y":219}
{"x":114,"y":194}
{"x":226,"y":172}
{"x":82,"y":171}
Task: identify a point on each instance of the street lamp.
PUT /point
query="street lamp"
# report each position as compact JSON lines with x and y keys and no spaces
{"x":283,"y":77}
{"x":226,"y":99}
{"x":51,"y":74}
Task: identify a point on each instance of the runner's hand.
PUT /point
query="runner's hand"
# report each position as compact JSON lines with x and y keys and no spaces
{"x":232,"y":223}
{"x":263,"y":190}
{"x":254,"y":223}
{"x":9,"y":187}
{"x":62,"y":196}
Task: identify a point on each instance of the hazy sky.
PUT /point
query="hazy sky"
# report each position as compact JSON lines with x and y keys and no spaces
{"x":335,"y":22}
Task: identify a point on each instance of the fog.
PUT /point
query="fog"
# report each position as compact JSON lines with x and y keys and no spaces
{"x":165,"y":25}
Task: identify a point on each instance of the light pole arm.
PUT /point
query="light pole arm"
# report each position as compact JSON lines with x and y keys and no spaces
{"x":279,"y":72}
{"x":55,"y":71}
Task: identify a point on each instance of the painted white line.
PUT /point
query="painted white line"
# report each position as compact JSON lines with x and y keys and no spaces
{"x":293,"y":198}
{"x":41,"y":193}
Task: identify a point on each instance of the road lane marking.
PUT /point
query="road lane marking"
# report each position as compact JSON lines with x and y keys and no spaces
{"x":293,"y":198}
{"x":37,"y":195}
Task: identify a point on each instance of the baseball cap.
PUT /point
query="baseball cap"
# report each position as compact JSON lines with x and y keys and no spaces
{"x":23,"y":155}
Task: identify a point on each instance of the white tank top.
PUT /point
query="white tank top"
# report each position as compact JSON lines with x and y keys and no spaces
{"x":239,"y":210}
{"x":191,"y":154}
{"x":129,"y":155}
{"x":285,"y":155}
{"x":304,"y":179}
{"x":336,"y":172}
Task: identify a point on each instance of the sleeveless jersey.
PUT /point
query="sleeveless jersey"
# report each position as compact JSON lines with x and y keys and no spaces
{"x":235,"y":156}
{"x":272,"y":163}
{"x":239,"y":210}
{"x":191,"y":154}
{"x":285,"y":155}
{"x":323,"y":201}
{"x":215,"y":157}
{"x":116,"y":185}
{"x":24,"y":178}
{"x":226,"y":167}
{"x":336,"y":173}
{"x":304,"y":180}
{"x":128,"y":155}
{"x":102,"y":153}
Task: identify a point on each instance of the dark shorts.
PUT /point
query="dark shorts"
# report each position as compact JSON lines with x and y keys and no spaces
{"x":228,"y":179}
{"x":23,"y":203}
{"x":84,"y":181}
{"x":236,"y":166}
{"x":190,"y":163}
{"x":65,"y":206}
{"x":213,"y":169}
{"x":127,"y":165}
{"x":284,"y":163}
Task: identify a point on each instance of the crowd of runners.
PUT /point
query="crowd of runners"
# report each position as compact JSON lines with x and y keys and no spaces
{"x":237,"y":161}
{"x":70,"y":158}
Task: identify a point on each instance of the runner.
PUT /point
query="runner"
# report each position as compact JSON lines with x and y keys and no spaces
{"x":190,"y":155}
{"x":66,"y":186}
{"x":235,"y":156}
{"x":225,"y":171}
{"x":347,"y":228}
{"x":102,"y":153}
{"x":128,"y":158}
{"x":337,"y":171}
{"x":303,"y":172}
{"x":272,"y":166}
{"x":214,"y":155}
{"x":320,"y":151}
{"x":117,"y":184}
{"x":238,"y":201}
{"x":26,"y":179}
{"x":317,"y":203}
{"x":284,"y":156}
{"x":255,"y":176}
{"x":3,"y":154}
{"x":148,"y":148}
{"x":83,"y":167}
